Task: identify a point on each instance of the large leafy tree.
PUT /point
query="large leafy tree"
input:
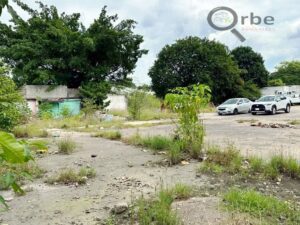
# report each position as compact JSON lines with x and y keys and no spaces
{"x":288,"y":73}
{"x":252,"y":65}
{"x":56,"y":49}
{"x":193,"y":60}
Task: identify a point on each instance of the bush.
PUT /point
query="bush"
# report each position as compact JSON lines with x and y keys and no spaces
{"x":66,"y":146}
{"x":188,"y":102}
{"x":45,"y":111}
{"x":65,"y":112}
{"x":135,"y":104}
{"x":175,"y":152}
{"x":13,"y":108}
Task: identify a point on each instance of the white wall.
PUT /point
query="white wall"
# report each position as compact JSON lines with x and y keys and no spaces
{"x":117,"y":102}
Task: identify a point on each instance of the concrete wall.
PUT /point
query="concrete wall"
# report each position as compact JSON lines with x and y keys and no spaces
{"x":117,"y":102}
{"x":273,"y":90}
{"x":42,"y":92}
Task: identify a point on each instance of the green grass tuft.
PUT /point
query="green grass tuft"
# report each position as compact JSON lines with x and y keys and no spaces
{"x":258,"y":205}
{"x":112,"y":135}
{"x":66,"y":146}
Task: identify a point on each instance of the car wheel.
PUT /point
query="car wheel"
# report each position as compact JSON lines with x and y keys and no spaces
{"x":220,"y":114}
{"x":273,"y":111}
{"x":288,"y":109}
{"x":235,"y":112}
{"x":253,"y":113}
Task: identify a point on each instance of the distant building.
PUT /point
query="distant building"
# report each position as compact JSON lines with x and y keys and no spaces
{"x":59,"y":97}
{"x":62,"y":96}
{"x":280,"y":89}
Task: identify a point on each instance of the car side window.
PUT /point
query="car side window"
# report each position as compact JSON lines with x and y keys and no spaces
{"x":246,"y":101}
{"x":277,"y":99}
{"x":240,"y":101}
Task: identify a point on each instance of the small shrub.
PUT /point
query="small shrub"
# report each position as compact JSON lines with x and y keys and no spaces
{"x":66,"y":146}
{"x":70,"y":176}
{"x":135,"y":104}
{"x":175,"y":152}
{"x":112,"y":135}
{"x":65,"y":112}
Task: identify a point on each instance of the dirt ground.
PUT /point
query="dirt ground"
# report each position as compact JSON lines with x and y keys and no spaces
{"x":125,"y":172}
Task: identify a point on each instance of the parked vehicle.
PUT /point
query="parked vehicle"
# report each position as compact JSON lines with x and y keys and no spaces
{"x":271,"y":104}
{"x":235,"y":106}
{"x":293,"y":96}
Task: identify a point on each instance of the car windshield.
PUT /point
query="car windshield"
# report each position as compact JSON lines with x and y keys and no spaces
{"x":267,"y":99}
{"x":231,"y":101}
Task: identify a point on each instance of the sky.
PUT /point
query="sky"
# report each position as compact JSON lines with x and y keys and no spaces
{"x":162,"y":22}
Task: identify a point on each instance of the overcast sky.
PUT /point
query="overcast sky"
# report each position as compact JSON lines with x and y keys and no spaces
{"x":162,"y":22}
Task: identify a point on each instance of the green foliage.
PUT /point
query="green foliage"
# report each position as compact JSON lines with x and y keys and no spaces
{"x":275,"y":82}
{"x":13,"y":108}
{"x":288,"y":72}
{"x":56,"y":49}
{"x":250,"y":90}
{"x":45,"y":110}
{"x":188,"y":102}
{"x":96,"y":92}
{"x":65,"y":112}
{"x":112,"y":134}
{"x":230,"y":161}
{"x":193,"y":60}
{"x":66,"y":146}
{"x":12,"y":152}
{"x":135,"y":104}
{"x":71,"y":177}
{"x":252,"y":66}
{"x":29,"y":131}
{"x":267,"y":208}
{"x":89,"y":107}
{"x":3,"y":3}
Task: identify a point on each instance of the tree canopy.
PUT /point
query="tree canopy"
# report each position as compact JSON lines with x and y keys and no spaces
{"x":288,"y":73}
{"x":194,"y":60}
{"x":252,"y":65}
{"x":56,"y":49}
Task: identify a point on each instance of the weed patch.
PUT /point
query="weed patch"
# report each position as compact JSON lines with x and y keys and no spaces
{"x":66,"y":146}
{"x":72,"y":177}
{"x":268,"y":208}
{"x":112,"y":135}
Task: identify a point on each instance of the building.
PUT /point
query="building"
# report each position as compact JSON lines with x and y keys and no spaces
{"x":280,"y":89}
{"x":59,"y":97}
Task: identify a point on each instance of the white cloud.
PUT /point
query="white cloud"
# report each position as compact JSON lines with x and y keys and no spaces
{"x":162,"y":22}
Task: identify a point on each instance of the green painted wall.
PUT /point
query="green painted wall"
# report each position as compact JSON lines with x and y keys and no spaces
{"x":72,"y":104}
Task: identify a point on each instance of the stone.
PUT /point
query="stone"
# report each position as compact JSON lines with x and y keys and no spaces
{"x":120,"y":208}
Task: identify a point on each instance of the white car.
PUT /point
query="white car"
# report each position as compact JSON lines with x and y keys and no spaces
{"x":235,"y":106}
{"x":271,"y":104}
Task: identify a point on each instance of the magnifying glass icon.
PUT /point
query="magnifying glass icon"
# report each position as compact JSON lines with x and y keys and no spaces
{"x":228,"y":27}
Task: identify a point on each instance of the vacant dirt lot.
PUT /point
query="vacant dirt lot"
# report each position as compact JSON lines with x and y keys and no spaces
{"x":237,"y":130}
{"x":125,"y":172}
